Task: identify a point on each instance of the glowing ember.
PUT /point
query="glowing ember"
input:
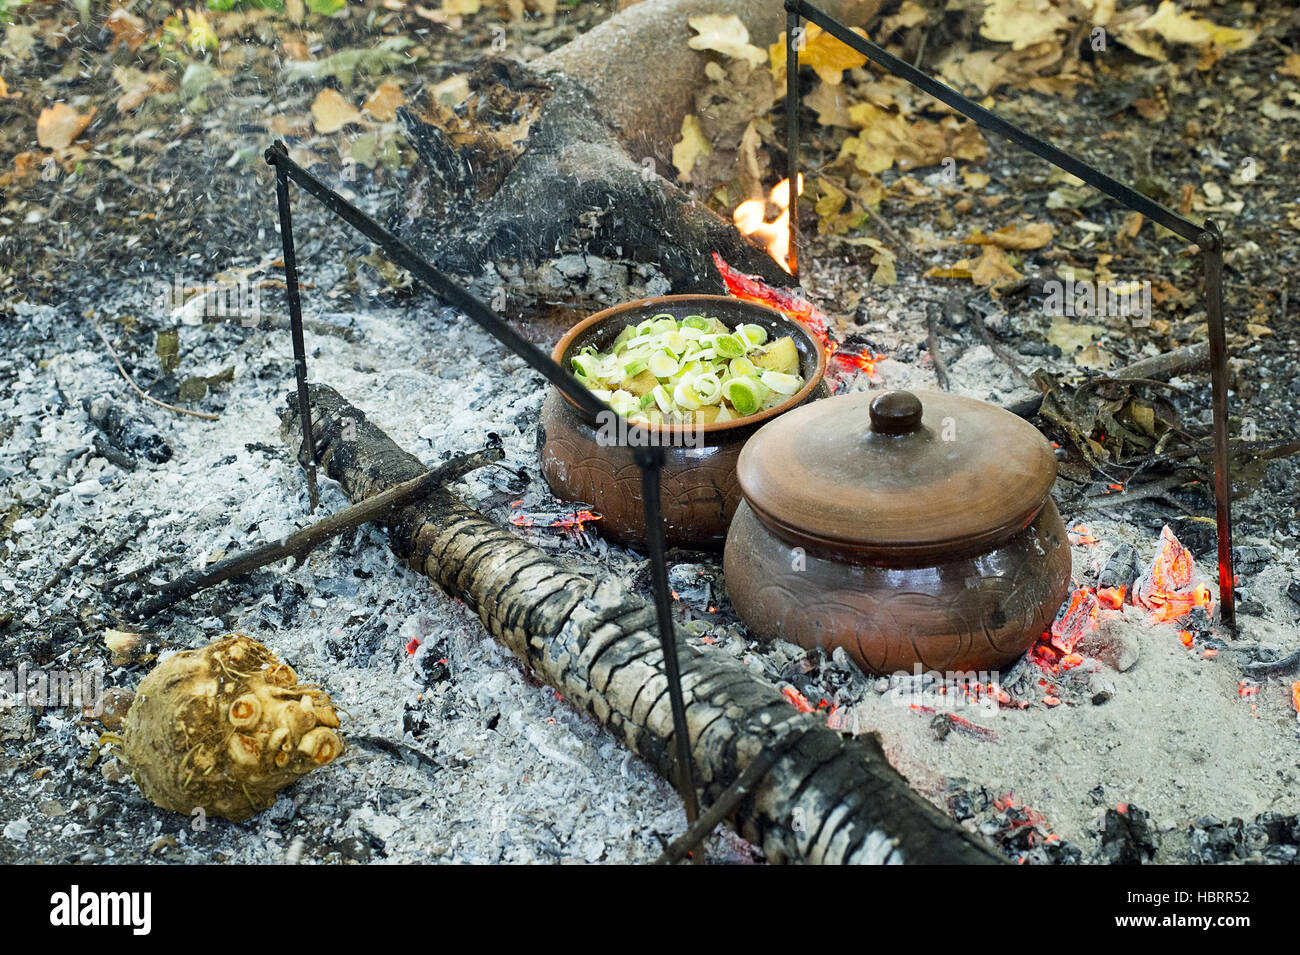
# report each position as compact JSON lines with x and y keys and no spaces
{"x":797,"y":699}
{"x":573,"y":521}
{"x":1295,"y":697}
{"x":750,"y":218}
{"x":1080,"y":535}
{"x":798,"y":309}
{"x":1078,"y":621}
{"x":1169,"y":588}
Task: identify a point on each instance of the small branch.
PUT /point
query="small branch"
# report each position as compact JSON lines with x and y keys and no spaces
{"x":726,"y":804}
{"x":136,"y":388}
{"x":932,"y":344}
{"x":301,"y":543}
{"x":1157,"y":368}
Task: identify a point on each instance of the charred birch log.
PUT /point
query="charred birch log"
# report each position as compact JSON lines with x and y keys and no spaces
{"x":547,"y":181}
{"x":829,"y":798}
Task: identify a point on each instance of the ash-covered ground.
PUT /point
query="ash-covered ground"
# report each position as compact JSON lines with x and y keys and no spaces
{"x":455,"y":753}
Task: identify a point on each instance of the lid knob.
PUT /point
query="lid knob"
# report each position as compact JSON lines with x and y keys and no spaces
{"x":896,"y":412}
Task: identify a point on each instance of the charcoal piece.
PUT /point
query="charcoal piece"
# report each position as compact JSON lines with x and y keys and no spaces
{"x":1293,"y":591}
{"x":125,"y":431}
{"x":1127,"y":837}
{"x":1249,"y":559}
{"x":1121,"y":568}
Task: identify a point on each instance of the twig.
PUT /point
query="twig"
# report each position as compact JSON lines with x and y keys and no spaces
{"x":67,"y":565}
{"x":1157,"y":368}
{"x":932,"y":343}
{"x":1274,"y":667}
{"x":136,"y":388}
{"x":893,"y":236}
{"x":1003,"y":354}
{"x":745,"y":783}
{"x":301,"y":543}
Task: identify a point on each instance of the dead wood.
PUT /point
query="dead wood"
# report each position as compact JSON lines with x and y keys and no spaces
{"x":1160,"y":367}
{"x":553,"y":181}
{"x":302,"y":542}
{"x":830,"y":798}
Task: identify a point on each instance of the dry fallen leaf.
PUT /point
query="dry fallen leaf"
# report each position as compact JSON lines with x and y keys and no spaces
{"x":4,"y":90}
{"x":127,"y":29}
{"x":1168,"y":24}
{"x":331,"y":112}
{"x":60,"y":124}
{"x":690,"y":147}
{"x":993,"y":268}
{"x":138,"y":87}
{"x":1022,"y":22}
{"x":1035,"y":235}
{"x":725,"y":35}
{"x":1178,"y":27}
{"x":825,"y":54}
{"x":382,"y":104}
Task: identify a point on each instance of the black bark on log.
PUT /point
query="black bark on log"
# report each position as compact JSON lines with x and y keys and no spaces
{"x":830,"y":798}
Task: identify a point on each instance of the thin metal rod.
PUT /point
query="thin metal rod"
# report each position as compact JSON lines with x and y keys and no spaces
{"x":1212,"y":243}
{"x":995,"y":123}
{"x":295,"y":327}
{"x":649,"y":453}
{"x":442,"y":285}
{"x":1208,"y":237}
{"x":651,"y":461}
{"x":793,"y":40}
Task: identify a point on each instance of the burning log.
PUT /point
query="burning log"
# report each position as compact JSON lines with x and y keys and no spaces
{"x":828,"y":798}
{"x":552,"y":170}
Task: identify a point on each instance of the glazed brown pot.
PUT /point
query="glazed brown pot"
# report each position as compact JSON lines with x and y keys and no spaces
{"x":909,"y":529}
{"x":700,"y":492}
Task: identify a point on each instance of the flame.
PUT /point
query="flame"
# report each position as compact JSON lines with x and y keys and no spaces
{"x":1295,"y":696}
{"x":750,"y":218}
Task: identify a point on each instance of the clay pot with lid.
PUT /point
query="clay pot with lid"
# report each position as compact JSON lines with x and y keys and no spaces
{"x":907,"y":528}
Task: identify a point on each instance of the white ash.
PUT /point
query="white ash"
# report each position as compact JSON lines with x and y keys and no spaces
{"x":469,"y":759}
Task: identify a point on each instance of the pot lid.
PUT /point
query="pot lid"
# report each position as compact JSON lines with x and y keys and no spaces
{"x":898,"y":474}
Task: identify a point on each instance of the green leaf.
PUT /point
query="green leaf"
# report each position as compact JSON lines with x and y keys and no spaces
{"x":326,"y":8}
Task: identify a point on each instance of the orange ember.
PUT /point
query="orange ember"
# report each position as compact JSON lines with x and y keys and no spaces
{"x":1295,"y":696}
{"x":751,"y":219}
{"x":747,"y":288}
{"x":797,"y":699}
{"x":1168,"y":588}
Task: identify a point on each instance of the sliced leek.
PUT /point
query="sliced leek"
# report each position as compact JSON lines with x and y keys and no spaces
{"x":694,"y":370}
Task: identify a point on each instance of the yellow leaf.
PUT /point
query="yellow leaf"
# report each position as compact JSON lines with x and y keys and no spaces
{"x":993,"y":268}
{"x":725,"y":35}
{"x":825,"y":54}
{"x":382,"y":104}
{"x":456,"y":8}
{"x":1022,"y":22}
{"x":1178,"y":27}
{"x":1035,"y":235}
{"x":690,"y":147}
{"x":331,"y":112}
{"x":60,"y":124}
{"x":1069,"y":337}
{"x":885,"y":273}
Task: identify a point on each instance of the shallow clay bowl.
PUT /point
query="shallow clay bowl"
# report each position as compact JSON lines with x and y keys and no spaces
{"x":700,"y":490}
